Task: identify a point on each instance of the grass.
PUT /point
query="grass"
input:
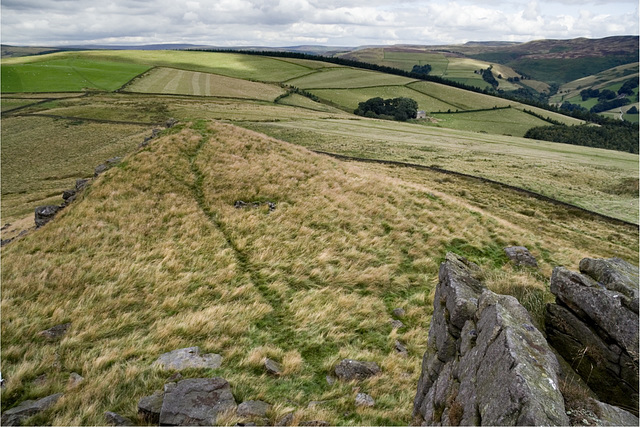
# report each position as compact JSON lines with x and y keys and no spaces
{"x":508,"y":121}
{"x":68,"y":73}
{"x":181,"y":82}
{"x":346,"y":78}
{"x":155,"y":257}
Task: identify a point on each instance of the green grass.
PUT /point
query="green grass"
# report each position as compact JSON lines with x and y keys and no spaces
{"x":67,"y":74}
{"x":346,"y":78}
{"x":510,"y":121}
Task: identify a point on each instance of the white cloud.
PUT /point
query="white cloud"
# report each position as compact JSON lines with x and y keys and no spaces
{"x":287,"y":22}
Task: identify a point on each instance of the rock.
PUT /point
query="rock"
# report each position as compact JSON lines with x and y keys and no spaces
{"x":485,"y":361}
{"x":67,"y":194}
{"x":74,"y":380}
{"x":594,"y":326}
{"x":272,"y":367}
{"x":314,"y":423}
{"x":108,"y":164}
{"x":196,"y":401}
{"x":363,"y":399}
{"x":349,"y":369}
{"x":286,"y":420}
{"x":40,"y":380}
{"x":613,"y":416}
{"x":149,"y":407}
{"x":81,"y":184}
{"x":15,"y":416}
{"x":398,"y":312}
{"x":330,"y":380}
{"x":114,"y":419}
{"x":189,"y":357}
{"x":170,"y":123}
{"x":55,"y":332}
{"x":396,"y":324}
{"x":253,"y":408}
{"x":521,"y":256}
{"x":44,"y":214}
{"x":400,"y":348}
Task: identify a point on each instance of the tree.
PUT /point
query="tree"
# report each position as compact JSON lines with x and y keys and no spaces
{"x":401,"y":109}
{"x":632,"y":110}
{"x":421,"y":69}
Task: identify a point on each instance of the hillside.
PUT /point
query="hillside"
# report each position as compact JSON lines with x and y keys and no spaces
{"x":154,"y":256}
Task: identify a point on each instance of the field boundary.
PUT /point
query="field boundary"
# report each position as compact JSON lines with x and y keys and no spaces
{"x":482,"y":179}
{"x":88,"y":119}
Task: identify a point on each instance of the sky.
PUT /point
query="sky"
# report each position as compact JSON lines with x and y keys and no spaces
{"x":309,"y":22}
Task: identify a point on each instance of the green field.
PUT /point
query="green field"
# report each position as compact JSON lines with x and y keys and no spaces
{"x":347,"y":78}
{"x":67,"y":73}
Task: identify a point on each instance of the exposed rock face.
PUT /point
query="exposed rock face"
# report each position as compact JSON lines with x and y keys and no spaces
{"x":521,"y":256}
{"x":189,"y":357}
{"x":253,"y":408}
{"x":195,"y":401}
{"x":55,"y":332}
{"x":272,"y":367}
{"x":594,"y":326}
{"x":486,"y":364}
{"x":349,"y":369}
{"x":149,"y":407}
{"x":44,"y":214}
{"x":114,"y":419}
{"x":28,"y":408}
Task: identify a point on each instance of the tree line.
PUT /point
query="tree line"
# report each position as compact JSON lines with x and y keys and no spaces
{"x":613,"y":135}
{"x":401,"y":109}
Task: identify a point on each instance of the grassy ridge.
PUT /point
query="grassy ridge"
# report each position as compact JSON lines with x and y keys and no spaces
{"x":155,"y":257}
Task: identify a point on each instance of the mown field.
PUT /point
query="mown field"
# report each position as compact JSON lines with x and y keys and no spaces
{"x":155,"y":257}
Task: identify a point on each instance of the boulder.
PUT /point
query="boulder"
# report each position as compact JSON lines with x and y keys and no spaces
{"x":108,"y":164}
{"x":196,"y":401}
{"x":81,"y":184}
{"x":485,"y":361}
{"x":15,"y":416}
{"x":521,"y":256}
{"x":189,"y":357}
{"x":272,"y":367}
{"x":398,"y":312}
{"x":75,"y":380}
{"x":149,"y":407}
{"x":44,"y":214}
{"x":349,"y":369}
{"x":286,"y":420}
{"x":594,"y":326}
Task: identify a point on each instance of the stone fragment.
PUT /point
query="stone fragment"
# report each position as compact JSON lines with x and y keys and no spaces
{"x":108,"y":164}
{"x":75,"y":380}
{"x":330,"y":380}
{"x":314,"y":423}
{"x":67,"y":194}
{"x":272,"y":367}
{"x":149,"y":407}
{"x":44,"y":214}
{"x":613,"y":416}
{"x":521,"y":256}
{"x":400,"y":348}
{"x":196,"y":401}
{"x":81,"y":184}
{"x":189,"y":357}
{"x":363,"y":399}
{"x":349,"y":369}
{"x":114,"y":419}
{"x":55,"y":332}
{"x":396,"y":324}
{"x":286,"y":420}
{"x":16,"y":415}
{"x":253,"y":408}
{"x":398,"y":312}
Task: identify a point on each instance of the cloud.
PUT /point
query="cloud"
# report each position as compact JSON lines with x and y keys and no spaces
{"x":287,"y":22}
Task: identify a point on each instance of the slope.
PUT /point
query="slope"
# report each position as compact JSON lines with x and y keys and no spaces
{"x":154,"y":257}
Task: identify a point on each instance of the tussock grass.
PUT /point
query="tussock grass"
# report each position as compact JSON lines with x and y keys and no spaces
{"x":155,"y":257}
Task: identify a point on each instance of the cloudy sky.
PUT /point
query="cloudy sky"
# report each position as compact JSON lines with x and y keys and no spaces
{"x":295,"y":22}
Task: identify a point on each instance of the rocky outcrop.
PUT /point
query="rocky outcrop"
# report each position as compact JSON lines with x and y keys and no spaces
{"x":189,"y":357}
{"x":486,"y":364}
{"x":594,"y":326}
{"x":195,"y":401}
{"x":15,"y":416}
{"x":520,"y":256}
{"x":44,"y":214}
{"x":349,"y":370}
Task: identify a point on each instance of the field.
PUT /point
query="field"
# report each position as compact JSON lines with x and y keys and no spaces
{"x":181,"y":82}
{"x":154,"y":256}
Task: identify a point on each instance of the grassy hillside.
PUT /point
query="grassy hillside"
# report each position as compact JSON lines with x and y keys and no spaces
{"x":155,"y":257}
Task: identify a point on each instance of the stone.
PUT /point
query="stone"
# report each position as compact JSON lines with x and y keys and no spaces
{"x":81,"y":184}
{"x":272,"y":367}
{"x":594,"y":326}
{"x":189,"y":357}
{"x":286,"y":420}
{"x":398,"y":312}
{"x":67,"y":194}
{"x":521,"y":256}
{"x":108,"y":164}
{"x":363,"y":399}
{"x":613,"y":416}
{"x":400,"y":348}
{"x":349,"y":369}
{"x":253,"y":408}
{"x":314,"y":423}
{"x":16,"y":415}
{"x":485,"y":361}
{"x":330,"y":379}
{"x":44,"y":214}
{"x":75,"y":380}
{"x":55,"y":332}
{"x":114,"y":419}
{"x":196,"y":401}
{"x":149,"y":407}
{"x":396,"y":324}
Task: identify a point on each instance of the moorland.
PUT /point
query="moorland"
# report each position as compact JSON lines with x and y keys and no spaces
{"x":154,"y":255}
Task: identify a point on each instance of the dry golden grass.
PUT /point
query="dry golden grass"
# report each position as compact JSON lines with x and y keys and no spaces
{"x":155,"y":257}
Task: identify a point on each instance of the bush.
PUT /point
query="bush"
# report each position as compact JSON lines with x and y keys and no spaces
{"x":400,"y":109}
